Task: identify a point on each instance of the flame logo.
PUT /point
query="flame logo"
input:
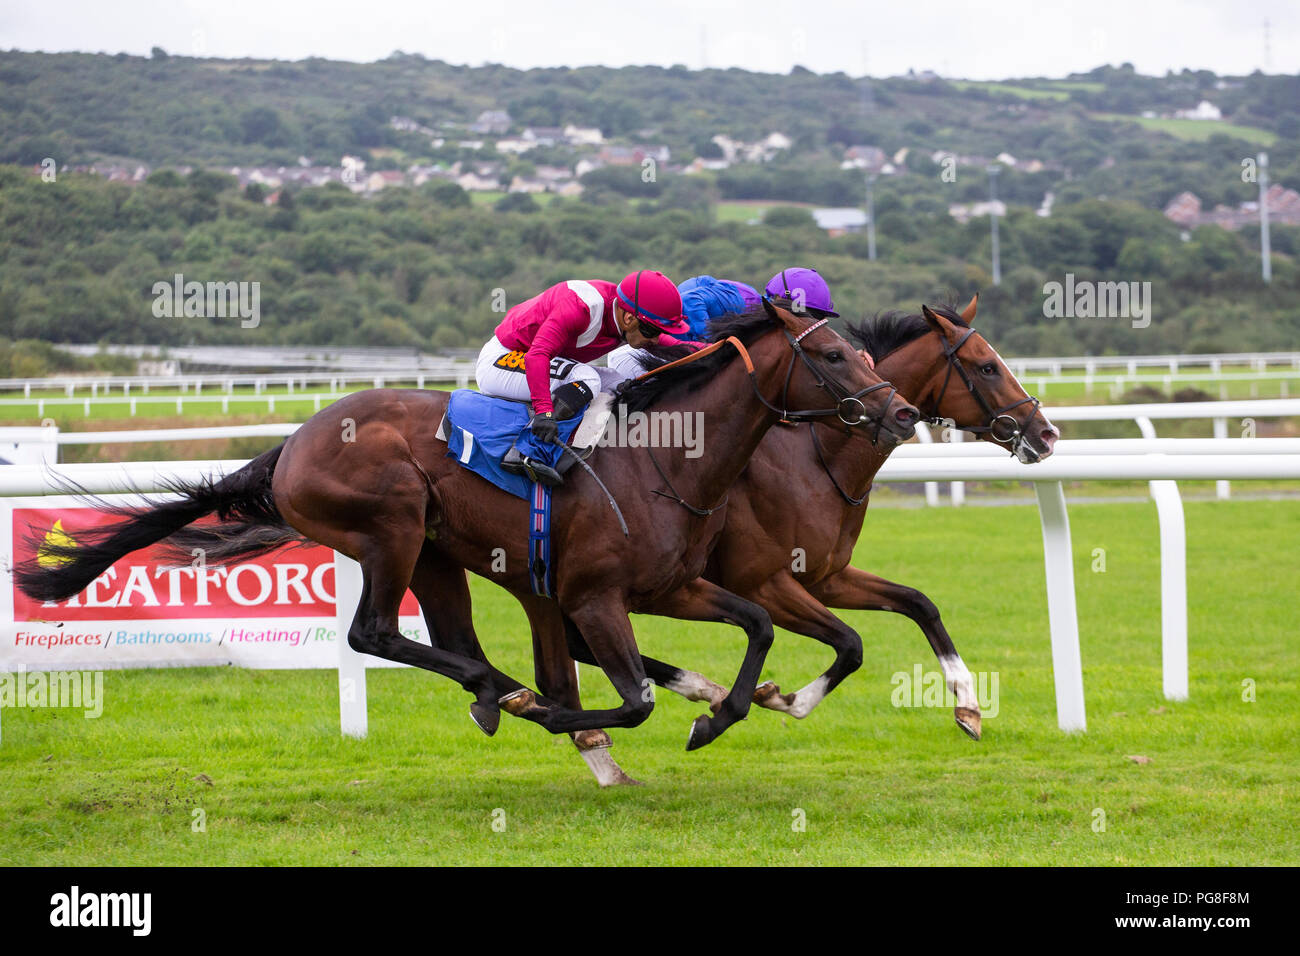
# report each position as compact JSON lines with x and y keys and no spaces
{"x":56,"y":537}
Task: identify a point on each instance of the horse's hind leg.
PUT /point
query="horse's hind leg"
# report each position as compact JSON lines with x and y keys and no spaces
{"x":855,"y":589}
{"x":557,"y":676}
{"x":387,"y":566}
{"x":441,"y":587}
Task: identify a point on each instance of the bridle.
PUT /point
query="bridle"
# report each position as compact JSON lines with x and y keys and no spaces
{"x":849,"y":408}
{"x":1011,"y":435}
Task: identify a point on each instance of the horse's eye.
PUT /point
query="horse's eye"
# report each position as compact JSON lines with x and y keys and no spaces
{"x":835,"y":356}
{"x":989,"y":369}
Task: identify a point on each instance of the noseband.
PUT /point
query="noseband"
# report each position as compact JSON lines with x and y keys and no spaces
{"x":1010,"y":434}
{"x":849,"y":407}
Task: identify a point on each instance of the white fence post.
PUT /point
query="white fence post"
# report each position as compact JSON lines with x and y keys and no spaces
{"x":1062,"y":613}
{"x":352,"y":666}
{"x":1222,"y":488}
{"x":1173,"y":579}
{"x":957,"y":488}
{"x":931,"y":487}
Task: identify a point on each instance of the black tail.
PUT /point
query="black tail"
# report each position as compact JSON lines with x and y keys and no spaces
{"x":250,"y":524}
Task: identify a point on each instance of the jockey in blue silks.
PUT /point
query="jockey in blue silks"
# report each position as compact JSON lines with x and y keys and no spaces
{"x":704,"y":299}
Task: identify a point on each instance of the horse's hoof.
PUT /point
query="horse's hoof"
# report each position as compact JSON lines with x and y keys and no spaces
{"x":701,"y":733}
{"x":518,"y":703}
{"x":487,"y":718}
{"x":768,"y":694}
{"x":969,"y":720}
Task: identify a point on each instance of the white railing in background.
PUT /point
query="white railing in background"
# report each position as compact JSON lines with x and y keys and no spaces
{"x":1258,"y":361}
{"x":1126,"y":459}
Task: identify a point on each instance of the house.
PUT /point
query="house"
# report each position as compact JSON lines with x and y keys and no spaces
{"x":420,"y":175}
{"x":839,"y":221}
{"x":1204,"y":110}
{"x":384,"y":178}
{"x":491,"y":122}
{"x":870,"y":158}
{"x":1184,"y":209}
{"x":586,"y":165}
{"x":544,"y":135}
{"x":553,"y":175}
{"x":1283,"y":208}
{"x":583,"y":136}
{"x":516,"y":146}
{"x":521,"y":185}
{"x":965,"y":212}
{"x":618,"y":156}
{"x":700,"y":164}
{"x":570,"y":190}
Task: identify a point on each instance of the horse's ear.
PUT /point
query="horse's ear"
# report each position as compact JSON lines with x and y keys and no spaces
{"x":933,"y":321}
{"x":968,"y":314}
{"x":792,"y":322}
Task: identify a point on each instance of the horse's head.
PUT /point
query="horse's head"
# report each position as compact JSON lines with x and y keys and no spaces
{"x":969,"y":385}
{"x":826,"y":376}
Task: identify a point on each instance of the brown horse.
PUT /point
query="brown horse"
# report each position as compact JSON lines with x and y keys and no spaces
{"x":951,"y":373}
{"x":369,"y":478}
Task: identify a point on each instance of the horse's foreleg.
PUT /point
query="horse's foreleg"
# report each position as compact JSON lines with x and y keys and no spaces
{"x":702,"y":600}
{"x":794,"y":609}
{"x":855,"y":589}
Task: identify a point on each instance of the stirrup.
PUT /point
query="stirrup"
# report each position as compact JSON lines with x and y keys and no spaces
{"x":519,"y":464}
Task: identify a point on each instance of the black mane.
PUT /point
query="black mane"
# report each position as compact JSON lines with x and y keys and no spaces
{"x":638,"y":394}
{"x":886,"y":331}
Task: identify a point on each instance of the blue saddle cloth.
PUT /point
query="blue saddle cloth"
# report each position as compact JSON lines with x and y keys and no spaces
{"x":481,"y":429}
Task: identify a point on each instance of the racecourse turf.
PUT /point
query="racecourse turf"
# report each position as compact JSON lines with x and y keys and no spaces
{"x":859,"y":781}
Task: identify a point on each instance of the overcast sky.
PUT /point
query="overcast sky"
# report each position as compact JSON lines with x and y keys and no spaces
{"x":1009,"y":38}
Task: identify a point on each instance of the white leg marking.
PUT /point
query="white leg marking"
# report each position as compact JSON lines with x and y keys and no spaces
{"x":808,"y":698}
{"x":695,"y":686}
{"x":606,"y":770}
{"x":959,"y":680}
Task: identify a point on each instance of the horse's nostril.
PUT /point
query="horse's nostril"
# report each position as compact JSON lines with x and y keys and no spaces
{"x":907,"y":416}
{"x":1049,"y":436}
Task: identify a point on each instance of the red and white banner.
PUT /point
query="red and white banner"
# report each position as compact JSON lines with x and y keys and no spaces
{"x":276,"y":611}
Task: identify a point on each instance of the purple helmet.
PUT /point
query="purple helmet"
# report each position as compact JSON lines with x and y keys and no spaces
{"x":805,"y":288}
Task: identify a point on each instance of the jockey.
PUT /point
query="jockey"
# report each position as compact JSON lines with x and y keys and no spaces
{"x":805,"y":290}
{"x":543,"y":344}
{"x":705,"y":298}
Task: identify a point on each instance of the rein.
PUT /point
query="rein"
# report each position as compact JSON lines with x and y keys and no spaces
{"x":842,"y":410}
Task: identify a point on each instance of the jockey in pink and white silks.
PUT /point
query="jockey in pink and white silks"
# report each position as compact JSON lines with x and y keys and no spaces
{"x":540,"y":351}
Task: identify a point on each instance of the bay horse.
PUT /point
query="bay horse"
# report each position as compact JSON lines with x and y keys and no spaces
{"x":368,"y":477}
{"x":948,"y":370}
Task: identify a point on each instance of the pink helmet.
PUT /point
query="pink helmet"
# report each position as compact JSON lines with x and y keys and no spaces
{"x":652,"y":297}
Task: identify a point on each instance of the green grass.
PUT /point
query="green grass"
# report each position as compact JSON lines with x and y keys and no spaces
{"x":877,"y":784}
{"x":745,"y":211}
{"x":1194,"y":130}
{"x":1023,"y":92}
{"x":487,"y":197}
